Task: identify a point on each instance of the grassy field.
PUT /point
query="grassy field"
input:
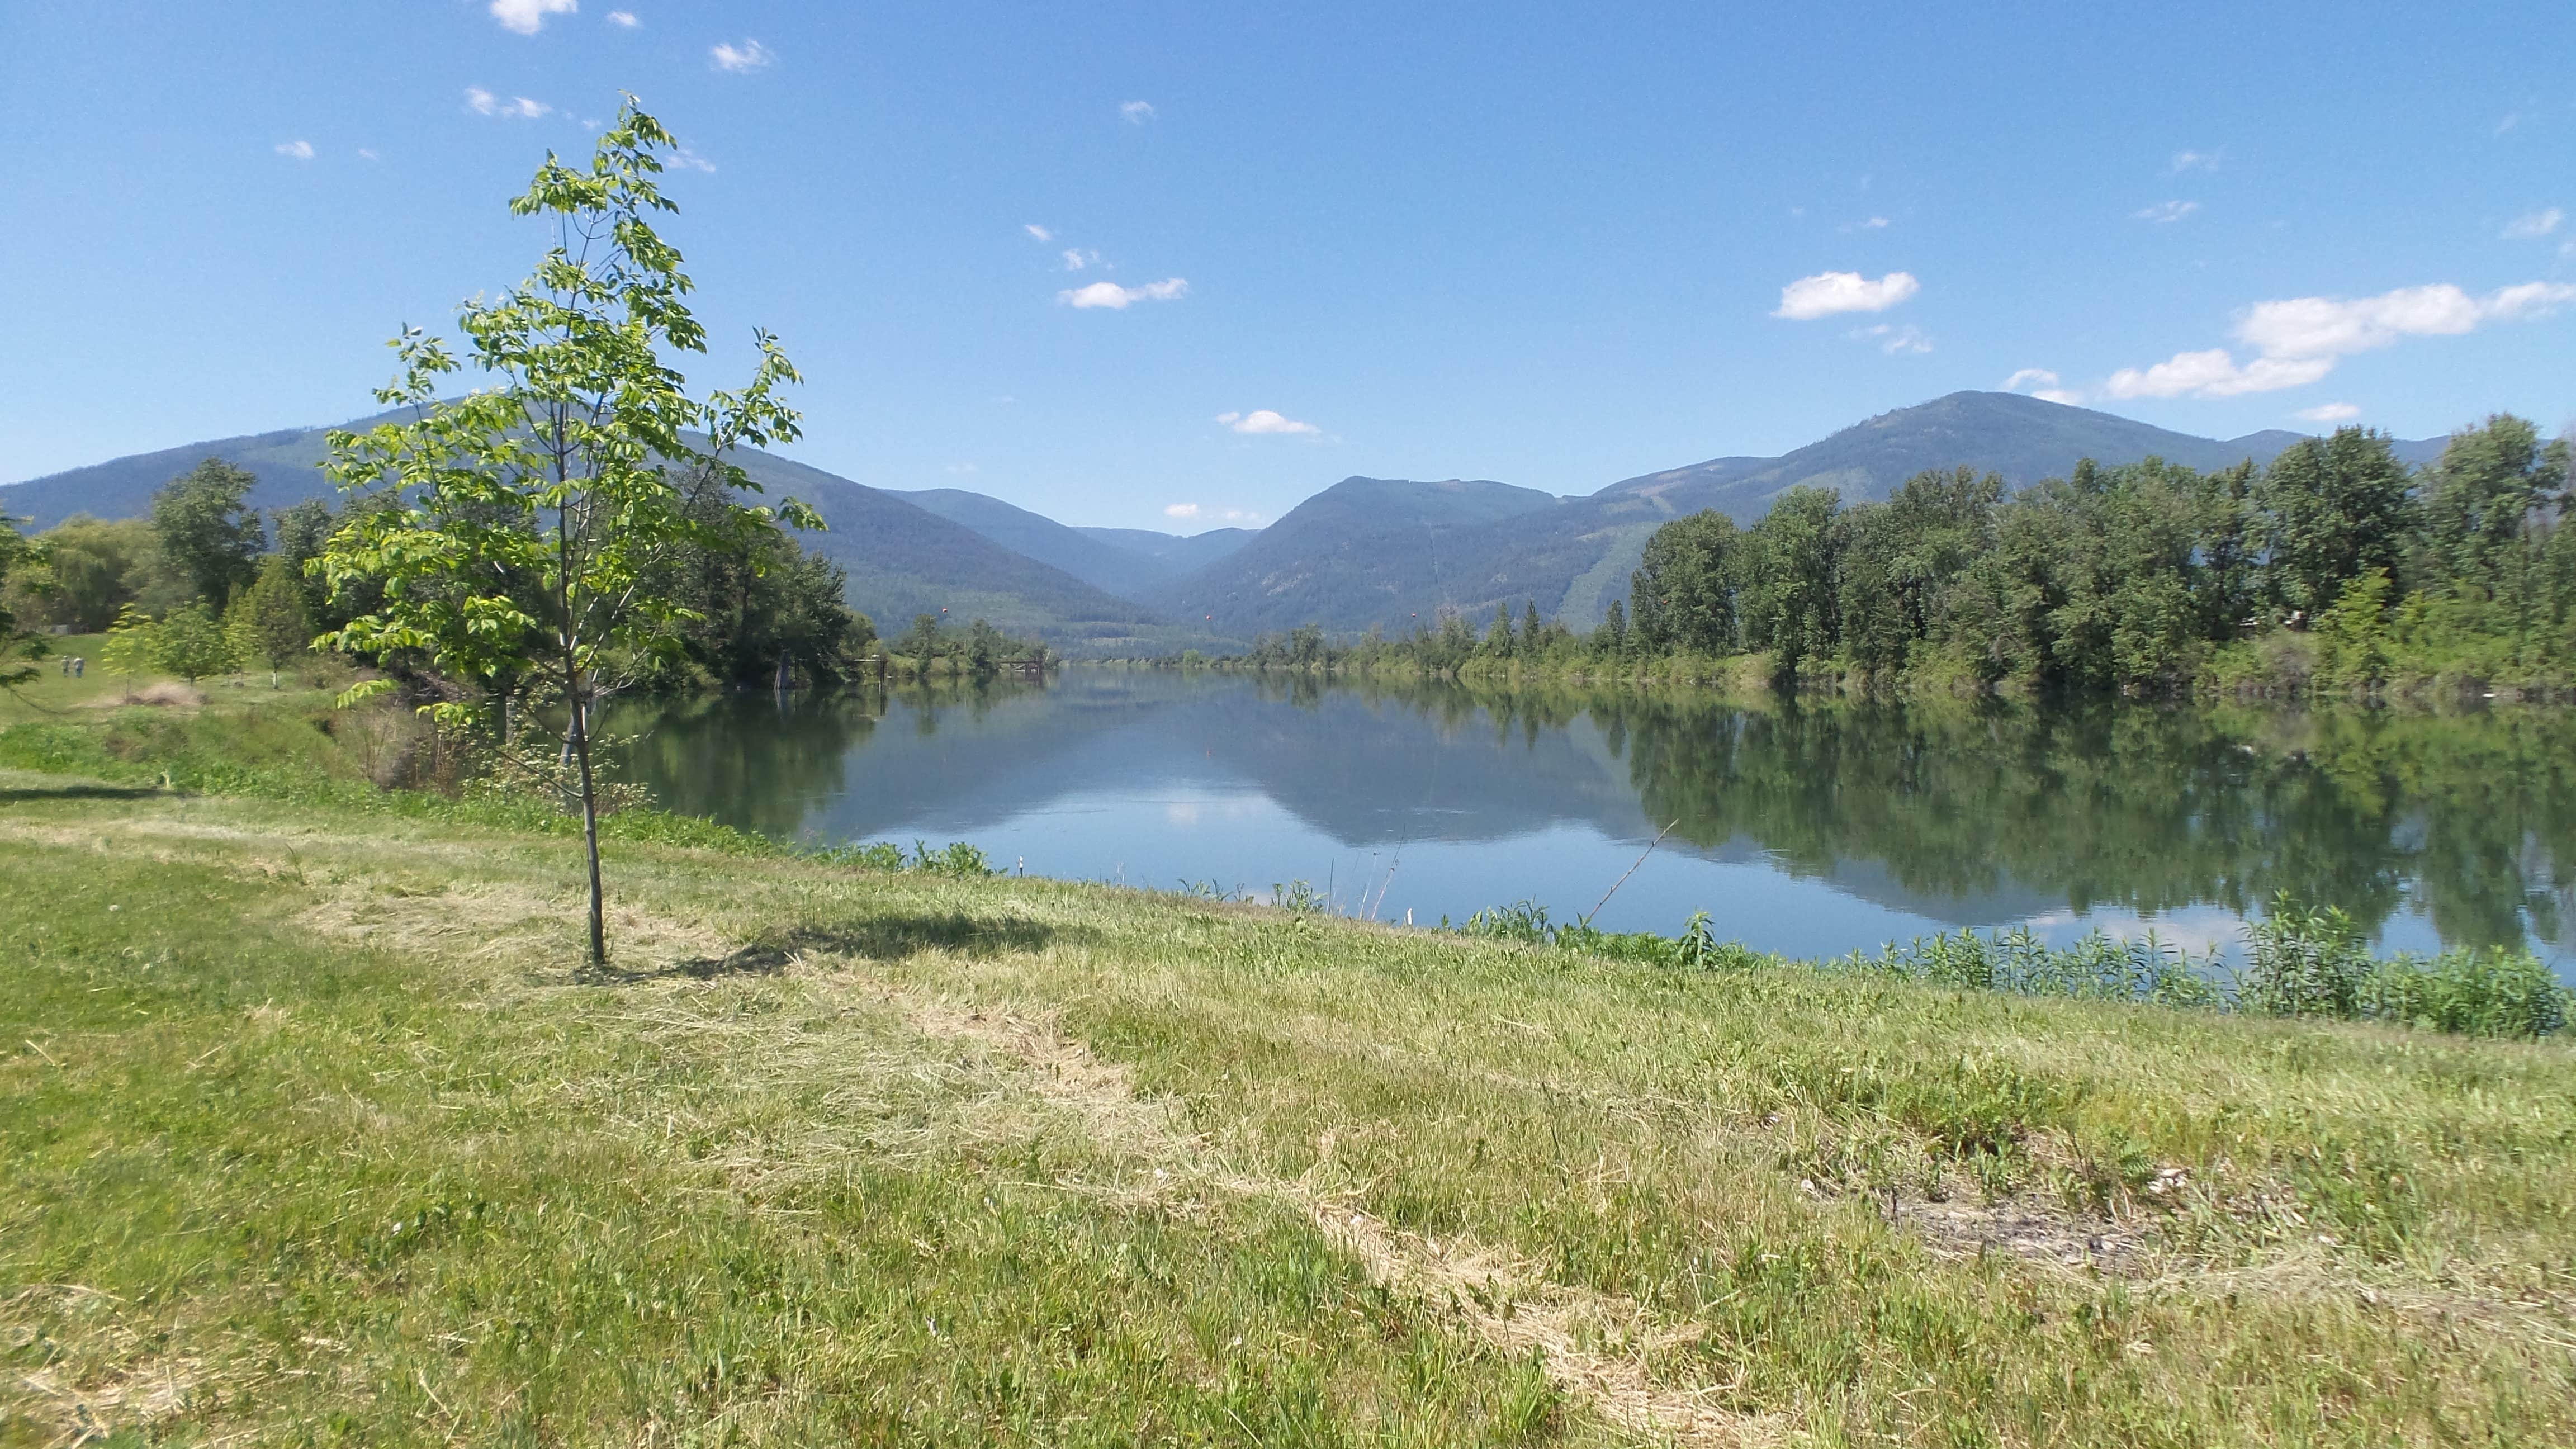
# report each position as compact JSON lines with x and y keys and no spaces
{"x":311,"y":1132}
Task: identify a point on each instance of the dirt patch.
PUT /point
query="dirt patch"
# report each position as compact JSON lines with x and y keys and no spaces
{"x":168,"y":694}
{"x":1955,"y":1229}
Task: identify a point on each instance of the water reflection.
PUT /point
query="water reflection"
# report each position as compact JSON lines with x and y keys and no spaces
{"x":1805,"y":827}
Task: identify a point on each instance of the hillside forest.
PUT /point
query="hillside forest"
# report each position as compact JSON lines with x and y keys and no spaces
{"x":2335,"y":568}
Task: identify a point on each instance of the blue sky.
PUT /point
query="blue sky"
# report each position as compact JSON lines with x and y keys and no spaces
{"x":1554,"y":245}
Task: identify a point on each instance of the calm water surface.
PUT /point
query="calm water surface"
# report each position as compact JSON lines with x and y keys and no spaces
{"x":1809,"y":830}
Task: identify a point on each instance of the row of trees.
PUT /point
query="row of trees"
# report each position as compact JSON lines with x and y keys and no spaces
{"x":2335,"y":566}
{"x":206,"y":585}
{"x":198,"y":545}
{"x":2336,"y":559}
{"x":977,"y":651}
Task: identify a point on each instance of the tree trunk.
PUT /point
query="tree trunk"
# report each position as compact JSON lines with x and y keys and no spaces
{"x":590,"y":832}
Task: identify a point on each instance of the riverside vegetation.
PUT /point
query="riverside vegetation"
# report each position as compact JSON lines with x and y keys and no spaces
{"x":315,"y":1128}
{"x":2333,"y":570}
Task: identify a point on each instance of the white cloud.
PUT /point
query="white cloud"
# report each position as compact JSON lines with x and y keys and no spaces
{"x":2329,"y":327}
{"x":527,"y":16}
{"x":366,"y":153}
{"x":1874,"y":223}
{"x":2167,"y":211}
{"x":1035,"y":230}
{"x":1263,"y":420}
{"x":2194,"y":161}
{"x":518,"y":108}
{"x":1076,"y":258}
{"x":684,"y":158}
{"x":750,"y":55}
{"x":1136,"y":112}
{"x":623,"y":19}
{"x":2328,"y":413}
{"x":1217,"y":515}
{"x":2533,"y":225}
{"x":2047,"y":388}
{"x":2213,"y":373}
{"x":300,"y":150}
{"x":1892,"y":339}
{"x":1827,"y":293}
{"x":1116,"y":297}
{"x":2299,"y":339}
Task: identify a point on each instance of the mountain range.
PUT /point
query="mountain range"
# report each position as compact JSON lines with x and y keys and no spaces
{"x":1365,"y":551}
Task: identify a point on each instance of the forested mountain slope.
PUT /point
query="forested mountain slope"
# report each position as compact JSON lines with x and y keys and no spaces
{"x":902,"y":559}
{"x":1365,"y":551}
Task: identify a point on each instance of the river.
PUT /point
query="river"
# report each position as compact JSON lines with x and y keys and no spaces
{"x":1809,"y":829}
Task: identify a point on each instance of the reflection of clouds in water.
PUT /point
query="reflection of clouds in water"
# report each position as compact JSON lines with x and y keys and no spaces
{"x":1186,"y":812}
{"x":2197,"y":930}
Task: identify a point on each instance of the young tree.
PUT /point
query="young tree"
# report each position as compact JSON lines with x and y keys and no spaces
{"x":208,"y":537}
{"x":267,"y":623}
{"x":190,"y":643}
{"x":518,"y":532}
{"x":302,"y":531}
{"x":129,"y":645}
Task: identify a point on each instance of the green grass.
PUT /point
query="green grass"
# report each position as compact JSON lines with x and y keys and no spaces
{"x":311,"y":1131}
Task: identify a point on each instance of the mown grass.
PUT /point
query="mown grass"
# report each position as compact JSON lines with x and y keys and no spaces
{"x":310,"y":1131}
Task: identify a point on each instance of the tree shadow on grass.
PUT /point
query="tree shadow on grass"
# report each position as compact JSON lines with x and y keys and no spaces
{"x":26,"y":794}
{"x":879,"y":938}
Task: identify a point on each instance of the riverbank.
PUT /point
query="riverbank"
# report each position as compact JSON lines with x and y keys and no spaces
{"x":2283,"y":669}
{"x":310,"y":1121}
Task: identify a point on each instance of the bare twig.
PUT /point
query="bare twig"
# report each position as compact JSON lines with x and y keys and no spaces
{"x":1631,"y":870}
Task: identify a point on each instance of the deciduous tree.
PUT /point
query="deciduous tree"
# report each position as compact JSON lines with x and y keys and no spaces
{"x":522,"y":530}
{"x":208,"y":536}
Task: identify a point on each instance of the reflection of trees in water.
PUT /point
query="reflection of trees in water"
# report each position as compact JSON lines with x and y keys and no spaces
{"x":2143,"y":808}
{"x":754,"y":761}
{"x":759,"y":761}
{"x":2148,"y":809}
{"x":2471,"y":817}
{"x":2483,"y":805}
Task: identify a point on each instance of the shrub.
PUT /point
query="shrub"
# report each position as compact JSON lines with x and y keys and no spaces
{"x":2304,"y":962}
{"x":957,"y":858}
